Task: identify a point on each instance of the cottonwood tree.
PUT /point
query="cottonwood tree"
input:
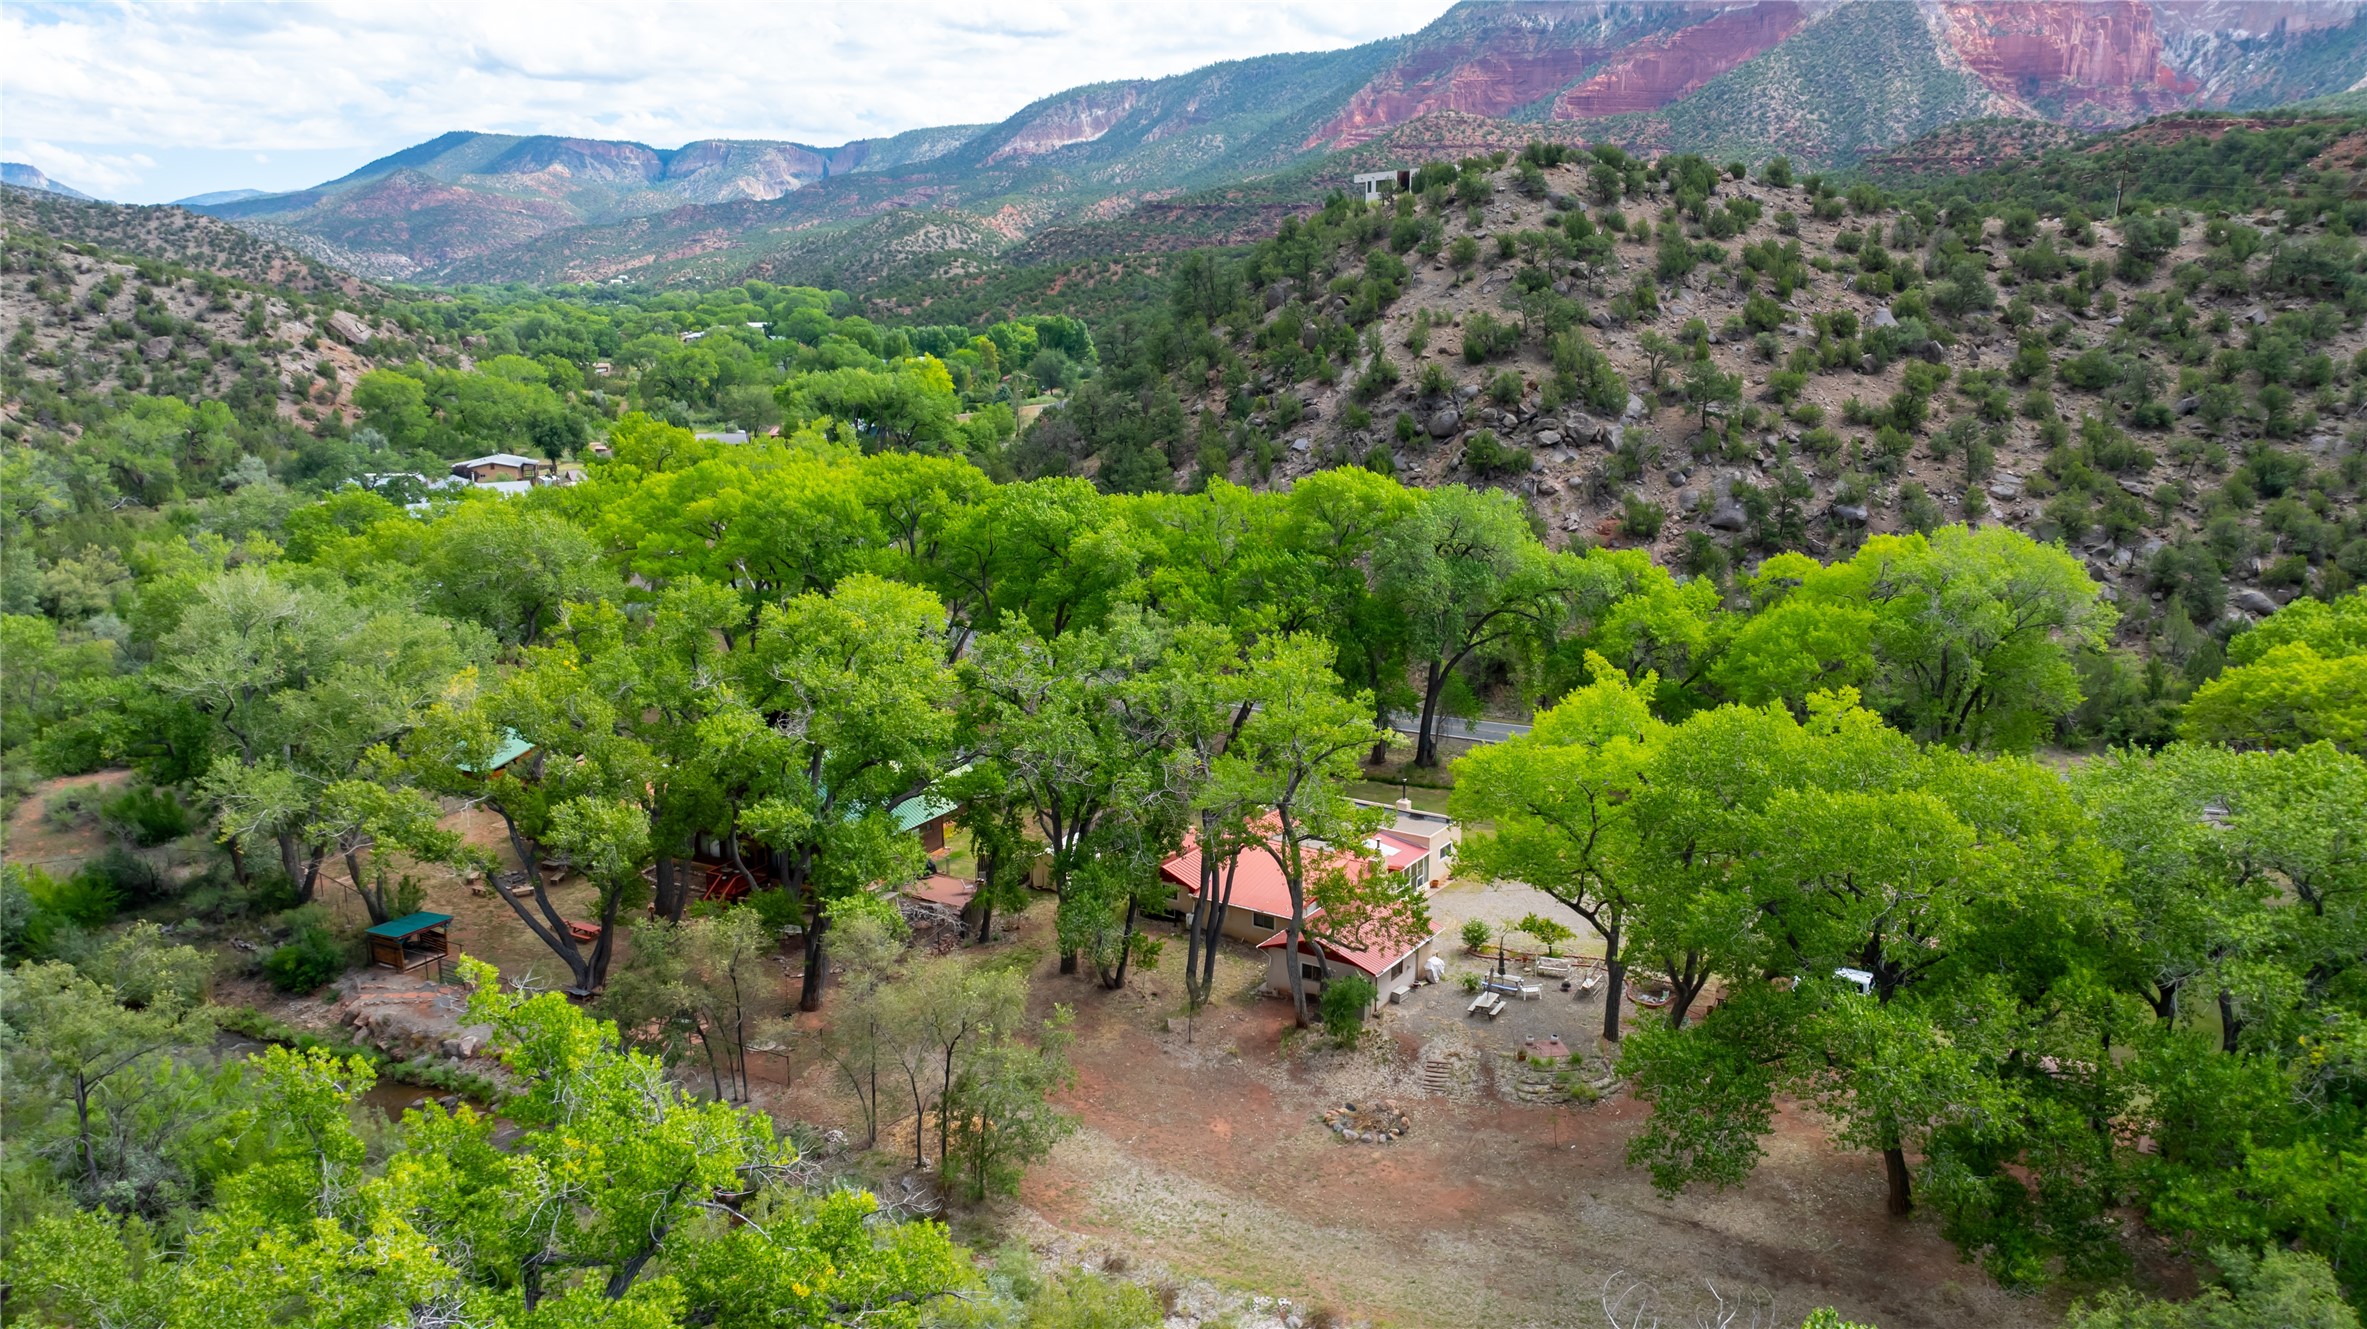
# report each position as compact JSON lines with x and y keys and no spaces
{"x":1561,"y":798}
{"x":577,"y":701}
{"x":986,"y":807}
{"x":303,"y":683}
{"x":842,"y":709}
{"x":770,"y":524}
{"x":1961,"y":637}
{"x":512,"y":569}
{"x":1966,"y":893}
{"x":1066,"y":721}
{"x":1288,"y":773}
{"x":1467,"y":574}
{"x":381,"y":817}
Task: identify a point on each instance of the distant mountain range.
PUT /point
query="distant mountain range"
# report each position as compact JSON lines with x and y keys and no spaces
{"x":1825,"y":81}
{"x":24,"y":176}
{"x":218,"y":196}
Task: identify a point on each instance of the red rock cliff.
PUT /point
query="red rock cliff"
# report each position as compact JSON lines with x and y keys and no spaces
{"x":1657,"y":71}
{"x":1501,"y":58}
{"x":1079,"y":119}
{"x":2096,"y":62}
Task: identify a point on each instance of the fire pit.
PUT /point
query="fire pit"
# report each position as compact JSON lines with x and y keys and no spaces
{"x":1378,"y":1122}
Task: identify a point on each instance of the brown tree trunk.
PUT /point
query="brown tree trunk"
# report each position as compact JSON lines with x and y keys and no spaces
{"x":1894,"y":1167}
{"x":2230,"y":1024}
{"x":671,"y":895}
{"x":1615,"y":979}
{"x":1117,"y":982}
{"x":1426,"y":739}
{"x":809,"y":997}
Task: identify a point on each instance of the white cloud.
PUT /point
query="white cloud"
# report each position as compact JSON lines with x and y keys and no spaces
{"x":92,"y":173}
{"x":340,"y":75}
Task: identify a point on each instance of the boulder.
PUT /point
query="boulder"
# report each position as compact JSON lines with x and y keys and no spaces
{"x":2255,"y":316}
{"x":1445,"y":421}
{"x":2005,"y":488}
{"x":1634,"y":411}
{"x":1549,"y":438}
{"x":1853,"y":514}
{"x":1728,"y":517}
{"x":1275,"y":295}
{"x":347,"y":327}
{"x":2189,"y":405}
{"x":1467,"y":392}
{"x":1302,"y":446}
{"x":2137,"y":488}
{"x":156,"y":348}
{"x":2253,"y":601}
{"x":1688,"y":499}
{"x":1883,"y":318}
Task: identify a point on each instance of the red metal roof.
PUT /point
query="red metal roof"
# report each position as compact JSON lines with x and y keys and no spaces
{"x":1258,"y":884}
{"x":1400,"y":851}
{"x":1371,"y":959}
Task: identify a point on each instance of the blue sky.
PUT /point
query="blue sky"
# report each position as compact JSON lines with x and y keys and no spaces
{"x":149,"y":103}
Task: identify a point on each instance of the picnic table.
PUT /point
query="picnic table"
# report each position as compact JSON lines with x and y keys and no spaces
{"x":1490,"y":1002}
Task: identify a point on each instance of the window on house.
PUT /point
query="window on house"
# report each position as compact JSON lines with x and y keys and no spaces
{"x":1261,"y":920}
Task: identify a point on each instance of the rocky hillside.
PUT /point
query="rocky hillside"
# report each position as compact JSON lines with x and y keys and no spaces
{"x":99,"y":300}
{"x":1824,"y":83}
{"x":171,"y":235}
{"x":2181,"y":398}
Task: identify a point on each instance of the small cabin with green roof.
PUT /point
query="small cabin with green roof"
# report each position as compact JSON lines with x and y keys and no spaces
{"x":411,"y":943}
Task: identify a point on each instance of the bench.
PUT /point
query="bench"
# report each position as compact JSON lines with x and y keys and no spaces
{"x":1553,"y":966}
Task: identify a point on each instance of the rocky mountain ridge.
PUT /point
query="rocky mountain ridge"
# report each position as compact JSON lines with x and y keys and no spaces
{"x":1823,"y":81}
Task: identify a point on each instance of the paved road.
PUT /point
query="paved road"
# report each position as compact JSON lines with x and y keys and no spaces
{"x":1483,"y":731}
